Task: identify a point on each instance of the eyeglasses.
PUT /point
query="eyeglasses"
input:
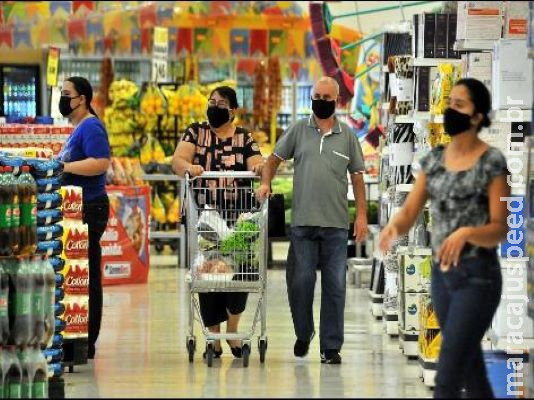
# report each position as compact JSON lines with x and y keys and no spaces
{"x":220,"y":103}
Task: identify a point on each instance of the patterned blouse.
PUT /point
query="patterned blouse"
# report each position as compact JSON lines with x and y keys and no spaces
{"x":215,"y":154}
{"x":460,"y":199}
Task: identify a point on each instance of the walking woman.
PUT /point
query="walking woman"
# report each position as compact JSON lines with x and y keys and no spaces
{"x":219,"y":145}
{"x":465,"y":182}
{"x":86,"y":157}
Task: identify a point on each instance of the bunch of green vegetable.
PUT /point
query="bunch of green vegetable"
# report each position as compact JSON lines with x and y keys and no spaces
{"x":240,"y":243}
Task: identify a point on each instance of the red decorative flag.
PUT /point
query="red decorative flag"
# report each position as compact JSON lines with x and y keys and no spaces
{"x":6,"y":37}
{"x":146,"y":40}
{"x":81,"y":8}
{"x":259,"y":42}
{"x":184,"y":40}
{"x":77,"y":30}
{"x":147,"y":16}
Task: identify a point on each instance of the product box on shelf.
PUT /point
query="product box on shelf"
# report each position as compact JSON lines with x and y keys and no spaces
{"x":72,"y":202}
{"x":479,"y":67}
{"x":75,"y":240}
{"x":76,"y":273}
{"x":479,"y":20}
{"x":125,"y":243}
{"x":512,"y":75}
{"x":516,"y":20}
{"x":411,"y":309}
{"x":416,"y":271}
{"x":76,"y":316}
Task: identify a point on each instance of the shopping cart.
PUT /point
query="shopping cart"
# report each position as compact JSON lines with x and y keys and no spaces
{"x":226,"y":233}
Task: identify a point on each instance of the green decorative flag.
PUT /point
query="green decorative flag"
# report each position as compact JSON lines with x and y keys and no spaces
{"x":278,"y":43}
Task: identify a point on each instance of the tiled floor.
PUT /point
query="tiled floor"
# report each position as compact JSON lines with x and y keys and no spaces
{"x":141,"y":351}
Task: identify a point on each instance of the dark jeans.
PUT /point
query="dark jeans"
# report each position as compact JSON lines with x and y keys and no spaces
{"x":311,"y":247}
{"x":465,"y":299}
{"x":96,"y":214}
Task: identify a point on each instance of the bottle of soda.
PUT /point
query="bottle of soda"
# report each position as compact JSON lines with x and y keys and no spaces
{"x":12,"y":184}
{"x":50,"y":300}
{"x":6,"y":201}
{"x":28,"y":211}
{"x":57,"y":340}
{"x":39,"y":298}
{"x":20,"y":301}
{"x":40,"y":378}
{"x":4,"y":302}
{"x":25,"y":366}
{"x":13,"y":376}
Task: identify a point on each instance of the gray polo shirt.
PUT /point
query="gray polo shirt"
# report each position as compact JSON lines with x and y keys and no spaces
{"x":320,"y":181}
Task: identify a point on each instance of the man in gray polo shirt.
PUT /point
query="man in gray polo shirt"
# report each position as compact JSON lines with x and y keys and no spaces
{"x":324,"y":150}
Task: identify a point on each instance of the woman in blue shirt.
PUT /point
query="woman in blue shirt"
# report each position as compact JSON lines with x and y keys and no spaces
{"x":86,"y":155}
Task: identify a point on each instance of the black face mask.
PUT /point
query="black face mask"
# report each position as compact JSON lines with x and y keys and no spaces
{"x":217,"y":117}
{"x":64,"y":105}
{"x":456,"y":122}
{"x":323,"y":109}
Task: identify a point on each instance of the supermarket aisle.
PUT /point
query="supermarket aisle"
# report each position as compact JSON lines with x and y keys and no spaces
{"x":142,"y":352}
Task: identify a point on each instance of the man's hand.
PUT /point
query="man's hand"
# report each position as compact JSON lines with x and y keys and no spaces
{"x":258,"y":169}
{"x":263,"y":192}
{"x":360,"y":228}
{"x":195,"y":170}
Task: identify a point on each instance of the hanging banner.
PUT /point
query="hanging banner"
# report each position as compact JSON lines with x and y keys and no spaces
{"x":52,"y":66}
{"x":160,"y":54}
{"x":240,"y":42}
{"x":82,"y":8}
{"x":6,"y":37}
{"x":259,"y":42}
{"x":184,"y":41}
{"x":277,"y":43}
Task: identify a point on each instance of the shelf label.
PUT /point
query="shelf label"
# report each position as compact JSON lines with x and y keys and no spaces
{"x":52,"y":66}
{"x":160,"y":54}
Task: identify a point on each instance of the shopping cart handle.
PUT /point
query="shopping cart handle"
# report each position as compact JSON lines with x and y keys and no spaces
{"x":226,"y":174}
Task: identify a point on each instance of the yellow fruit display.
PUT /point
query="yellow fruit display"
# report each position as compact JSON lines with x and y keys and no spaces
{"x":153,"y":102}
{"x":173,"y":213}
{"x":122,"y":92}
{"x":158,"y":210}
{"x":152,"y":151}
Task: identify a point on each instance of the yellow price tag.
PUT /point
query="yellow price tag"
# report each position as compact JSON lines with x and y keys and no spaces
{"x":52,"y":66}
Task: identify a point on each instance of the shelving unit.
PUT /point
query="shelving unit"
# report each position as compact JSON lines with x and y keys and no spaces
{"x":434,"y":62}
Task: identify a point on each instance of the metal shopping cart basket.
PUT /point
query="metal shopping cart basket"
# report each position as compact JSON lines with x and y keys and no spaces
{"x":226,"y":233}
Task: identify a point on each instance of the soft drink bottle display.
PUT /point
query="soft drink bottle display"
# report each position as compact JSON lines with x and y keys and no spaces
{"x":12,"y":184}
{"x":28,"y":211}
{"x":53,"y":355}
{"x":6,"y":201}
{"x":20,"y":295}
{"x":59,"y":309}
{"x":60,"y":325}
{"x":50,"y":300}
{"x":13,"y":375}
{"x":25,"y":366}
{"x":4,"y":301}
{"x":40,"y":379}
{"x":39,"y":298}
{"x":57,"y":341}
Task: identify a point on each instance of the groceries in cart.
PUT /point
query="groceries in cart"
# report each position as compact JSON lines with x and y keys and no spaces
{"x":228,"y":250}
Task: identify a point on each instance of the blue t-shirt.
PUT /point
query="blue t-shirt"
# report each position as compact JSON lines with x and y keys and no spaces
{"x":89,"y":140}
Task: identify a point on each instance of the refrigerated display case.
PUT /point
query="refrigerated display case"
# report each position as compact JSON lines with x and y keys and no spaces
{"x":20,"y":96}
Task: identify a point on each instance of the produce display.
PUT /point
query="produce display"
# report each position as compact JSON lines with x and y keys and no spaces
{"x":124,"y":171}
{"x":165,"y":208}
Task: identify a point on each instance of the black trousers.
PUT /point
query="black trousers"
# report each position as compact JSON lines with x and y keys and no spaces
{"x":96,"y":214}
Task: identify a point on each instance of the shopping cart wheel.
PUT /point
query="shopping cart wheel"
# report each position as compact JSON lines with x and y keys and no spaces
{"x":262,"y":346}
{"x":191,"y":345}
{"x":246,"y":355}
{"x":209,"y":354}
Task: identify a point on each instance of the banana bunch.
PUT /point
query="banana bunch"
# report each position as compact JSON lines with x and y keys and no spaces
{"x":190,"y":104}
{"x":123,"y":93}
{"x":152,"y":151}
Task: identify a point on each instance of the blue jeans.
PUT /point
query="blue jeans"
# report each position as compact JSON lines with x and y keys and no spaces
{"x":465,"y":300}
{"x":327,"y":248}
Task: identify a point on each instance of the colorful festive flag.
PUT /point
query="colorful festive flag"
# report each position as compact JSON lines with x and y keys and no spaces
{"x":310,"y":48}
{"x":95,"y":29}
{"x":146,"y":40}
{"x":277,"y":43}
{"x":15,"y":13}
{"x":60,"y":9}
{"x":184,"y":41}
{"x":173,"y":36}
{"x":259,"y":42}
{"x":21,"y":37}
{"x":6,"y":37}
{"x":76,"y":29}
{"x":240,"y":42}
{"x":220,"y":39}
{"x":295,"y":43}
{"x":165,"y":14}
{"x":147,"y":16}
{"x":82,"y":8}
{"x":220,"y":8}
{"x":37,"y":10}
{"x":112,"y":21}
{"x":58,"y":32}
{"x":202,"y":41}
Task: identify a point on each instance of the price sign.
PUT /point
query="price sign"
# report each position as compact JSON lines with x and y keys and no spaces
{"x":160,"y":54}
{"x":52,"y":66}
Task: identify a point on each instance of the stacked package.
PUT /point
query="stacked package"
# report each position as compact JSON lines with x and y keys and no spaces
{"x":47,"y":174}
